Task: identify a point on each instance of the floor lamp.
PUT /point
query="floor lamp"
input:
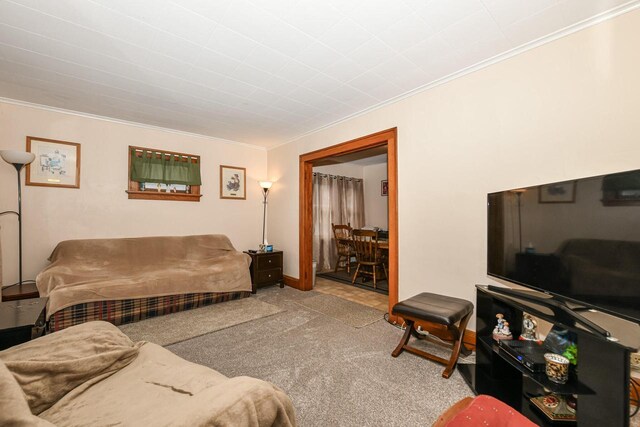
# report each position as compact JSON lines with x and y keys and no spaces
{"x":18,"y":159}
{"x":266,"y":185}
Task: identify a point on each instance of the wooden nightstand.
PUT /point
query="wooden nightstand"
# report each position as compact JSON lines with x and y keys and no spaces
{"x":18,"y":292}
{"x":266,"y":269}
{"x":21,"y":321}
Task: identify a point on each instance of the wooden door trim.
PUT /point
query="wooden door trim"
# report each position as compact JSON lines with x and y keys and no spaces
{"x":387,"y":137}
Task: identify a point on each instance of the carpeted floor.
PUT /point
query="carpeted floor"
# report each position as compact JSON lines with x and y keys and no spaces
{"x":336,"y":375}
{"x":348,"y":312}
{"x":188,"y":324}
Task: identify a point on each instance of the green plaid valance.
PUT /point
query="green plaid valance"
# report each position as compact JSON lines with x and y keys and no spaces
{"x":168,"y":168}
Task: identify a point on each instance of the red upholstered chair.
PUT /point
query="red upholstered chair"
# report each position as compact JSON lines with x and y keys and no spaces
{"x":482,"y":410}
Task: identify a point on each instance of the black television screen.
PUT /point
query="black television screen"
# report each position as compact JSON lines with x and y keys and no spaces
{"x":579,"y":239}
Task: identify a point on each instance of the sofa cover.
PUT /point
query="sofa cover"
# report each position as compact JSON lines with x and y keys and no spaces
{"x":83,"y":271}
{"x":93,"y":374}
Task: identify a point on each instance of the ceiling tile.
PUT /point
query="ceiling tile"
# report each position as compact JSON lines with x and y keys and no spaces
{"x":406,"y":32}
{"x":317,"y":55}
{"x":430,"y":50}
{"x":266,"y":60}
{"x":475,"y":28}
{"x":296,"y":72}
{"x":345,"y":36}
{"x":376,"y":14}
{"x":211,"y":9}
{"x":311,"y":16}
{"x":533,"y":27}
{"x":322,"y":83}
{"x":186,"y":24}
{"x":439,"y":14}
{"x":372,"y":53}
{"x":506,"y":12}
{"x":350,"y":96}
{"x":230,"y":42}
{"x":344,"y":69}
{"x":375,"y":86}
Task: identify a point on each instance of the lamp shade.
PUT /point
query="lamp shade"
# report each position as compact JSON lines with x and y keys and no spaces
{"x":266,"y":184}
{"x":17,"y":157}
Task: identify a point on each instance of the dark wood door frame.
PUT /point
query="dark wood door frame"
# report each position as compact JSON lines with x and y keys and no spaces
{"x":388,"y":138}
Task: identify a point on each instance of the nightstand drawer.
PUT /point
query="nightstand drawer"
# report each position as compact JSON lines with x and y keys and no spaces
{"x":266,"y":276}
{"x":269,"y":261}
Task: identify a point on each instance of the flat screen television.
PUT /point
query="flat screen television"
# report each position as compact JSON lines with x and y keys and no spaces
{"x":577,"y":239}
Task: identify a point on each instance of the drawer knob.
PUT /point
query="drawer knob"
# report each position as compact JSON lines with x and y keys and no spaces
{"x":269,"y":275}
{"x":269,"y":261}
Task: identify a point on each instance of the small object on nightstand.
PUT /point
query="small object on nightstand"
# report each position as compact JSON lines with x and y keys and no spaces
{"x":501,"y":331}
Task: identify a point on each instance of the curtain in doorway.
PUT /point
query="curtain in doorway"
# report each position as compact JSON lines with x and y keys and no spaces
{"x":337,"y":200}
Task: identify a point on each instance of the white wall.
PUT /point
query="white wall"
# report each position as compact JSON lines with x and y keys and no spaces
{"x":100,"y":207}
{"x":566,"y":109}
{"x":375,"y":204}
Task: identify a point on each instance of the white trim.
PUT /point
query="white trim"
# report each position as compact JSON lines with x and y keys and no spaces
{"x":125,"y":122}
{"x":594,"y":20}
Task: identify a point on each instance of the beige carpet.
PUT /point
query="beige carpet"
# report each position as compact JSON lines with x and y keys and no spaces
{"x":351,"y":313}
{"x":176,"y":327}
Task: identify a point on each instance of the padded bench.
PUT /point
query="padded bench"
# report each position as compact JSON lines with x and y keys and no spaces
{"x":439,"y":309}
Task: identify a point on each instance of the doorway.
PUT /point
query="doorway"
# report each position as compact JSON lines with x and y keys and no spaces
{"x":388,"y":139}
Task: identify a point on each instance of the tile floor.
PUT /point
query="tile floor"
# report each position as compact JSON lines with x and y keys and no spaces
{"x":351,"y":293}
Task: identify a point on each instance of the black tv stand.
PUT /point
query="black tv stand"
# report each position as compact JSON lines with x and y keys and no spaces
{"x":602,"y":378}
{"x":554,"y":303}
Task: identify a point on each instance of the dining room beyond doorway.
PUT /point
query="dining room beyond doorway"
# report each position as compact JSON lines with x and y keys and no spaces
{"x":350,"y":226}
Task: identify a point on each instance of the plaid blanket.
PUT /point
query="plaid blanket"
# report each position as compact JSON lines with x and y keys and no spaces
{"x":120,"y":312}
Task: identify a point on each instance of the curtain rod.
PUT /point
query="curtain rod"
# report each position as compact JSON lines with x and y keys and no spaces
{"x":337,"y":176}
{"x":165,"y":153}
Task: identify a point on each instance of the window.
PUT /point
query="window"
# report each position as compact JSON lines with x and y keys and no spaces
{"x":163,"y":175}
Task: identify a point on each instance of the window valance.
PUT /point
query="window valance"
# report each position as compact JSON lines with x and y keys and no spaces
{"x":162,"y":167}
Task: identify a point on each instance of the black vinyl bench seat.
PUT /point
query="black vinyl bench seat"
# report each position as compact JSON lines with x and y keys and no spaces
{"x":439,"y":309}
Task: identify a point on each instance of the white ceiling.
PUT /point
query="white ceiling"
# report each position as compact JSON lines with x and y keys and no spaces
{"x":255,"y":71}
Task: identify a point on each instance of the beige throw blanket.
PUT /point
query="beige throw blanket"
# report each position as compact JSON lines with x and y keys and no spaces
{"x":51,"y":366}
{"x":91,"y":270}
{"x":160,"y":389}
{"x":93,"y":375}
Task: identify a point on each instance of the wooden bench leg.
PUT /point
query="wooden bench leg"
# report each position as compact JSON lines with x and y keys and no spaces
{"x":456,"y":347}
{"x":404,"y":340}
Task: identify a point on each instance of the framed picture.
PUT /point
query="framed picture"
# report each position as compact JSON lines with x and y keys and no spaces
{"x":57,"y":163}
{"x":561,"y":192}
{"x":384,"y":187}
{"x":233,"y":182}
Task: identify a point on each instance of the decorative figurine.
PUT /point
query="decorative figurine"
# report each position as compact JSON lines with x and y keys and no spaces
{"x":501,"y":331}
{"x":529,"y":328}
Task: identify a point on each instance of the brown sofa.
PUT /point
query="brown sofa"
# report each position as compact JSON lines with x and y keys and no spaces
{"x":129,"y":279}
{"x":93,"y":374}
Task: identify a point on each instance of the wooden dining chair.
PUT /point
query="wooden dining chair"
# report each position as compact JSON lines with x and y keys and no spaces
{"x":344,"y":246}
{"x":365,"y":243}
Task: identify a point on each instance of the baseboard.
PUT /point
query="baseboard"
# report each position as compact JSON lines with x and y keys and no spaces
{"x":294,"y":282}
